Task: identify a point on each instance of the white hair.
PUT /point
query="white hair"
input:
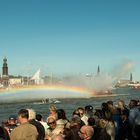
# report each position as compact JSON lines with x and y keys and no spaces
{"x":32,"y":114}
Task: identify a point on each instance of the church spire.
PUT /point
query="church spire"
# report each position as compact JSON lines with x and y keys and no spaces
{"x":5,"y":77}
{"x":98,"y":70}
{"x":131,"y":77}
{"x":5,"y":67}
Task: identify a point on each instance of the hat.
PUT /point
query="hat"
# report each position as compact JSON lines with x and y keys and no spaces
{"x":89,"y":108}
{"x":12,"y":117}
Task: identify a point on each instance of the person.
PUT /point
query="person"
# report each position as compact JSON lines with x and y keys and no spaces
{"x":105,"y":110}
{"x":91,"y":122}
{"x":53,"y":129}
{"x":75,"y":125}
{"x":115,"y":118}
{"x":57,"y":137}
{"x":86,"y":132}
{"x":40,"y":119}
{"x":110,"y":127}
{"x":83,"y":116}
{"x":75,"y":113}
{"x":121,"y":105}
{"x":62,"y":120}
{"x":4,"y":134}
{"x":134,"y":113}
{"x":53,"y":111}
{"x":125,"y":129}
{"x":11,"y":123}
{"x":89,"y":110}
{"x":38,"y":125}
{"x":25,"y":130}
{"x":87,"y":114}
{"x":68,"y":134}
{"x":100,"y":132}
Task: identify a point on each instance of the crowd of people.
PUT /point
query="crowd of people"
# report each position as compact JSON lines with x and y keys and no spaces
{"x":110,"y":122}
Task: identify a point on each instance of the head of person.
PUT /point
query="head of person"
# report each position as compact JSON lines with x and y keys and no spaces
{"x":51,"y":122}
{"x":98,"y":113}
{"x":32,"y":114}
{"x":132,"y":104}
{"x":88,"y":108}
{"x":121,"y":104}
{"x":68,"y":134}
{"x":104,"y":106}
{"x":102,"y":123}
{"x":12,"y":120}
{"x":23,"y":115}
{"x":91,"y":121}
{"x":81,"y":111}
{"x":57,"y":137}
{"x":52,"y":109}
{"x":76,"y":113}
{"x":124,"y":114}
{"x":61,"y":114}
{"x":75,"y":122}
{"x":86,"y":132}
{"x":39,"y":117}
{"x":110,"y":104}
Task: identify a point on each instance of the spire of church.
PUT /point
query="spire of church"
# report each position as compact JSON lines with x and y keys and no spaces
{"x":98,"y":70}
{"x":131,"y":77}
{"x":5,"y":67}
{"x":5,"y":77}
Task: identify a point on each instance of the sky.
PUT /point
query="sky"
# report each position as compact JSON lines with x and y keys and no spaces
{"x":70,"y":36}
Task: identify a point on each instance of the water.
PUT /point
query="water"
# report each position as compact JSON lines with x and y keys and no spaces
{"x":69,"y":104}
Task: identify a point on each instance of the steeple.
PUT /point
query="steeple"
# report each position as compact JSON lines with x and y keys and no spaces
{"x":98,"y":70}
{"x":5,"y":67}
{"x":131,"y":77}
{"x":5,"y":77}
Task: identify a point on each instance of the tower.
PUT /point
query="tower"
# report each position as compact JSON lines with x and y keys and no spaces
{"x":5,"y":67}
{"x":5,"y":77}
{"x":131,"y":77}
{"x":98,"y":70}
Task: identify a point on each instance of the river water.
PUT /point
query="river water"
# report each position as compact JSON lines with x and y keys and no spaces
{"x":69,"y":104}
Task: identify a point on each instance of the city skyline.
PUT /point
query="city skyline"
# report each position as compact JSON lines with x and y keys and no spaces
{"x":70,"y":37}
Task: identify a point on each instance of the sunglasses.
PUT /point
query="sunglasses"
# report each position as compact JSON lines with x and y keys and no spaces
{"x":51,"y":122}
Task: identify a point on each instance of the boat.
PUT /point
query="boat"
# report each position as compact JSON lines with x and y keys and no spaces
{"x":54,"y":101}
{"x":48,"y":101}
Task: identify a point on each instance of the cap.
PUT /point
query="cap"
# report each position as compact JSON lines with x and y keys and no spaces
{"x":89,"y":108}
{"x":12,"y":117}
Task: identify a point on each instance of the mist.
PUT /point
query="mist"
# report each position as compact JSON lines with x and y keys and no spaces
{"x":90,"y":82}
{"x":101,"y":80}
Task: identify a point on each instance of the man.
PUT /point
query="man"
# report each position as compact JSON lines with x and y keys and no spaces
{"x":24,"y":131}
{"x":86,"y":132}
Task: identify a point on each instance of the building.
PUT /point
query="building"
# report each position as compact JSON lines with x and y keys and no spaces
{"x":5,"y":76}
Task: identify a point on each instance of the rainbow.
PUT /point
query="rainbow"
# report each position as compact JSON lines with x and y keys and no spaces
{"x":44,"y":91}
